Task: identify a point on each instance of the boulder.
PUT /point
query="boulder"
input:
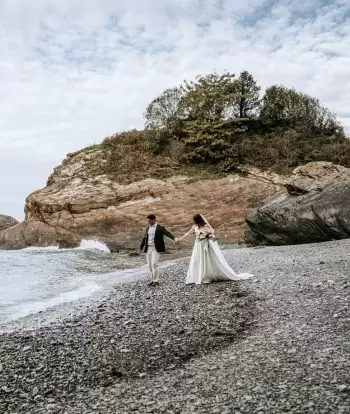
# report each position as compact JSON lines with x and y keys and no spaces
{"x":314,"y":208}
{"x":35,"y":233}
{"x":6,"y":222}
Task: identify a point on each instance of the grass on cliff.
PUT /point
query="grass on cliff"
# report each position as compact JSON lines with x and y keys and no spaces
{"x":131,"y":156}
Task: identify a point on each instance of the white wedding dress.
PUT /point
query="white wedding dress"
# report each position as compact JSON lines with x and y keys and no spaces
{"x":208,"y":264}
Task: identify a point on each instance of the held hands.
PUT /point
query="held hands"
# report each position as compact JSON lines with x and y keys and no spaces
{"x":177,"y":240}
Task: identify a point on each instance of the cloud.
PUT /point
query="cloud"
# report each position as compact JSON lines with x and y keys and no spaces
{"x":72,"y":74}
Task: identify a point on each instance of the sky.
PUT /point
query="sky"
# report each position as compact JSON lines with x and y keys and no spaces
{"x":73,"y":72}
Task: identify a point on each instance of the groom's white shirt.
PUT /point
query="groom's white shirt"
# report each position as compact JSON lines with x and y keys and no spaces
{"x":151,"y":234}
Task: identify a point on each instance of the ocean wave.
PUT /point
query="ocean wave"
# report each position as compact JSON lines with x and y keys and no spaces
{"x":34,"y":307}
{"x":93,"y":244}
{"x":85,"y":244}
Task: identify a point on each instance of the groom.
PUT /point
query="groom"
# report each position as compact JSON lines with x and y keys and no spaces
{"x":152,"y":244}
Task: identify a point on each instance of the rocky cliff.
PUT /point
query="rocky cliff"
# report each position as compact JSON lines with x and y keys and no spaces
{"x":315,"y":208}
{"x":82,"y":201}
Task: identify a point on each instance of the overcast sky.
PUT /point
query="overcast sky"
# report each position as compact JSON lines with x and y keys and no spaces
{"x":73,"y":72}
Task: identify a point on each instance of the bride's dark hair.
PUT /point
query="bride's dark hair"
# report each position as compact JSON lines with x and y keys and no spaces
{"x":198,"y":219}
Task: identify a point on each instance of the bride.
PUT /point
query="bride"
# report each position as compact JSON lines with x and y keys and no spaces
{"x":208,"y":264}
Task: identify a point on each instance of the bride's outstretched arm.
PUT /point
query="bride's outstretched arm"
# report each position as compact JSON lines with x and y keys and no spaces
{"x":187,"y":234}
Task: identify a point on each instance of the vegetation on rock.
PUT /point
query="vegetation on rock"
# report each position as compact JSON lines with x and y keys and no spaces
{"x":221,"y":122}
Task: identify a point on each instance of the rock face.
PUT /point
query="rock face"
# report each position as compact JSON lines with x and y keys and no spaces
{"x":6,"y":222}
{"x":316,"y":208}
{"x":81,"y":203}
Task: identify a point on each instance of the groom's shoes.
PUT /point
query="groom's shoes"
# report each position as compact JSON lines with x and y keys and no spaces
{"x":153,"y":284}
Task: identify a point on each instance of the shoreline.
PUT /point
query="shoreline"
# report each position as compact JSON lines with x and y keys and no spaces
{"x":63,"y":310}
{"x":279,"y":342}
{"x":58,"y":313}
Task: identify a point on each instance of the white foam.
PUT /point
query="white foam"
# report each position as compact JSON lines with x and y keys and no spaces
{"x":31,"y":308}
{"x":93,"y":244}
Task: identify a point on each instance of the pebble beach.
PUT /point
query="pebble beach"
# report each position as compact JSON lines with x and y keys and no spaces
{"x":277,"y":343}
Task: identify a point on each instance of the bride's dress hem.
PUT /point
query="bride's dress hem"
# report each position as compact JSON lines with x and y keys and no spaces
{"x":208,"y":265}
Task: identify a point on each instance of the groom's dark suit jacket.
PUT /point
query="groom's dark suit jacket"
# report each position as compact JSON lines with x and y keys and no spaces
{"x":158,"y":239}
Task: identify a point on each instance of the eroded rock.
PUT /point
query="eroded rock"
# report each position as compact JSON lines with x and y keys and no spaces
{"x":315,"y":209}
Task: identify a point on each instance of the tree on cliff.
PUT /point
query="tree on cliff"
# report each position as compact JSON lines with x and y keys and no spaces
{"x":219,"y":119}
{"x":210,"y":97}
{"x":164,"y":117}
{"x":284,"y":106}
{"x":248,"y":96}
{"x":210,"y":104}
{"x":165,"y":111}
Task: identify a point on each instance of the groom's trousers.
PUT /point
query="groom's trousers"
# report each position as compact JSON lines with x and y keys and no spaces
{"x":152,"y":260}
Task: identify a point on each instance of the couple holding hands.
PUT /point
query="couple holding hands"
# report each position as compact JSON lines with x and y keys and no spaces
{"x":207,"y":264}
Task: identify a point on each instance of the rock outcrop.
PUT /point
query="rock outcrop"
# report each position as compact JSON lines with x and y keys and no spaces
{"x":6,"y":222}
{"x":316,"y":208}
{"x":79,"y":203}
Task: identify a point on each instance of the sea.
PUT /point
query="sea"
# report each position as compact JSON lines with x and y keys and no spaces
{"x":34,"y":280}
